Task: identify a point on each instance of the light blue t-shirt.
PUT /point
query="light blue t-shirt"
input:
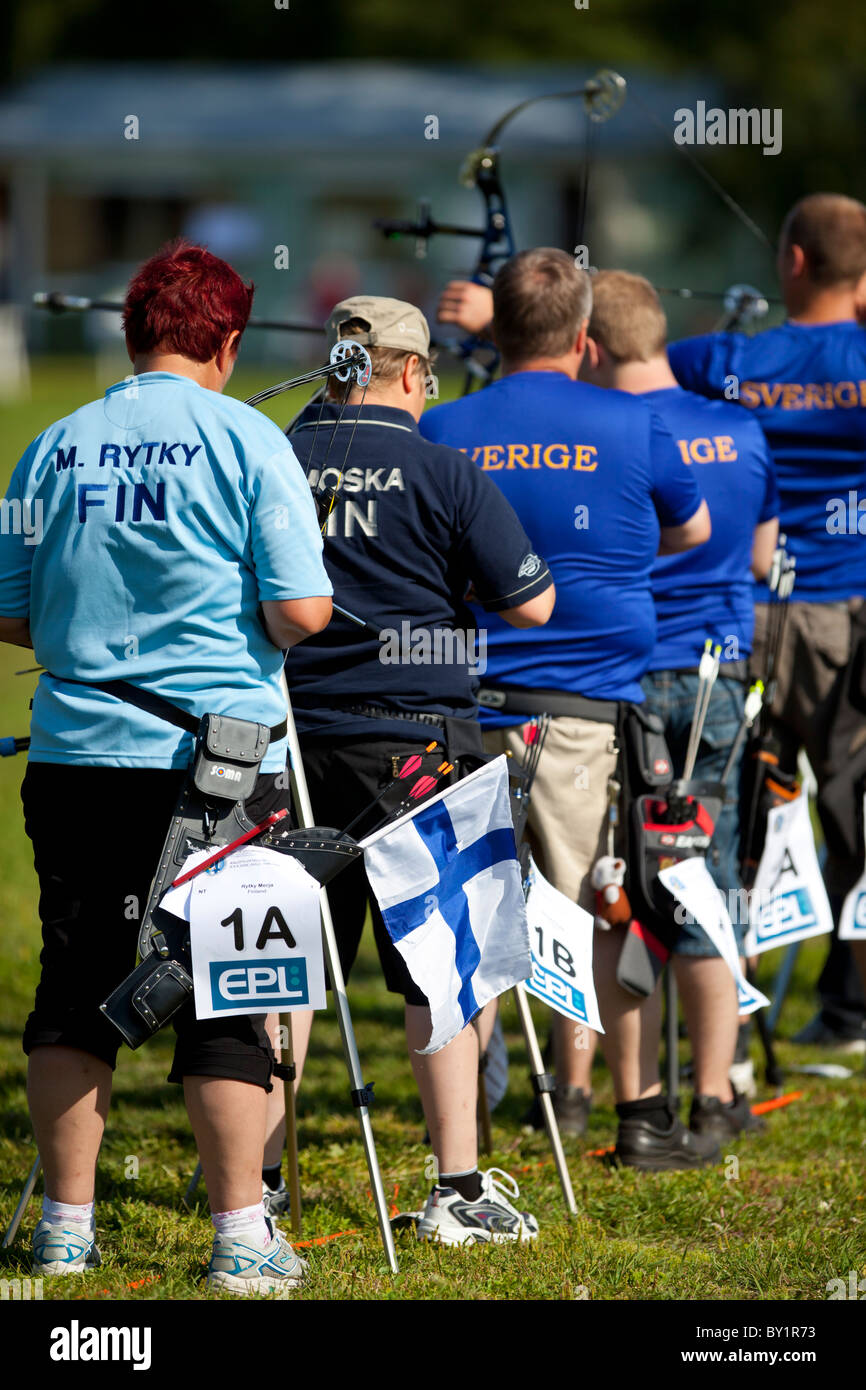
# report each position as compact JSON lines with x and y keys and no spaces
{"x":159,"y":519}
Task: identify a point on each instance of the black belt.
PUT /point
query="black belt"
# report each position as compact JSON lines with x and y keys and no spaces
{"x":379,"y":712}
{"x":515,"y":699}
{"x":736,"y":670}
{"x":154,"y":704}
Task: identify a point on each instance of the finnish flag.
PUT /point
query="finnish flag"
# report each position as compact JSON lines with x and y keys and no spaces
{"x":447,"y":881}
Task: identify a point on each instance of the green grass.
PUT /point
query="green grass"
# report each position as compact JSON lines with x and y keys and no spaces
{"x":788,"y":1223}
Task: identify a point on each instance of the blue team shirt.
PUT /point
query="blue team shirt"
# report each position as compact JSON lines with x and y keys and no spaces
{"x":709,"y":591}
{"x":591,"y":474}
{"x":414,"y":526}
{"x":168,"y":513}
{"x":806,"y":386}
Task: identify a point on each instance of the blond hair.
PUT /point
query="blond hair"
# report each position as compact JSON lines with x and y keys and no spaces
{"x":627,"y":317}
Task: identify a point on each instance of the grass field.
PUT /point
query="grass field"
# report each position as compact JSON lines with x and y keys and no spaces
{"x":780,"y":1223}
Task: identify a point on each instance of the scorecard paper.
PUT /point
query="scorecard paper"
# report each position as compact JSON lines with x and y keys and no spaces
{"x":560,"y":938}
{"x":254,"y":932}
{"x":691,"y":884}
{"x":788,"y":901}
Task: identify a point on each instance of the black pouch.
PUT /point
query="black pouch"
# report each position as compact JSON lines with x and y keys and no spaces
{"x":663,"y":830}
{"x":228,"y":755}
{"x":148,"y":998}
{"x":646,"y":749}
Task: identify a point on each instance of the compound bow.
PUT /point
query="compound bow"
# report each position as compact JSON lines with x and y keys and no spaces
{"x":603,"y":96}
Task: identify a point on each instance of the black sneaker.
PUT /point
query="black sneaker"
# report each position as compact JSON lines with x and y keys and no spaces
{"x":571,"y":1106}
{"x":817,"y":1033}
{"x":712,"y":1117}
{"x":640,"y":1144}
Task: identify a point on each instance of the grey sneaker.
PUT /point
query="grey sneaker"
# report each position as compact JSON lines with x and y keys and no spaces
{"x":63,"y":1247}
{"x":571,"y":1106}
{"x":450,"y":1219}
{"x":243,"y":1267}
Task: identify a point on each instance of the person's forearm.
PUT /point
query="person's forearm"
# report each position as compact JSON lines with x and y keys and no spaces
{"x":16,"y":631}
{"x":288,"y":622}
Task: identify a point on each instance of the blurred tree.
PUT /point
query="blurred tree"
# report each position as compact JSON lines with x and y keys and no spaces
{"x":802,"y":57}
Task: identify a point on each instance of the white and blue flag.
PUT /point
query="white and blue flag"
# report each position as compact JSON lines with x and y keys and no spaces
{"x":447,"y":881}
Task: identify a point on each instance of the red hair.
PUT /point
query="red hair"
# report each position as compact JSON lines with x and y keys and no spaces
{"x":185,"y":300}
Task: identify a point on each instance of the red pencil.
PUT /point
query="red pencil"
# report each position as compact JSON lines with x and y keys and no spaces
{"x":235,"y":844}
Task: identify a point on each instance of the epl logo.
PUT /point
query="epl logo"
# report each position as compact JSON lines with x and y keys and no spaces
{"x":237,"y":985}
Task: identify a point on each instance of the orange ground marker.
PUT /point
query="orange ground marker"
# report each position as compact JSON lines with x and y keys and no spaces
{"x":776,"y":1103}
{"x":321,"y":1240}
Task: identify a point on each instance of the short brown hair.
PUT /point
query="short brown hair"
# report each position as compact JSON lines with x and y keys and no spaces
{"x":831,"y":229}
{"x":387,"y":362}
{"x":540,"y":299}
{"x":627,"y":317}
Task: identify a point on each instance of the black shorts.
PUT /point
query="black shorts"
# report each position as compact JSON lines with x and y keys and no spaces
{"x":343,"y":776}
{"x":97,"y":835}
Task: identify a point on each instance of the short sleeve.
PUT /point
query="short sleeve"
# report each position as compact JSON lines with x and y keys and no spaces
{"x":284,"y":532}
{"x":702,"y":364}
{"x":675,"y":492}
{"x":20,"y":533}
{"x":492,"y":546}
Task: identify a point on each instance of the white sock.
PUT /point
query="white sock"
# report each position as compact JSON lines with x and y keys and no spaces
{"x":247,"y":1223}
{"x":58,"y":1212}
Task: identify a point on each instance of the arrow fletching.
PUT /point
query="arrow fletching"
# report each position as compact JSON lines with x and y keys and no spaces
{"x":412,"y":764}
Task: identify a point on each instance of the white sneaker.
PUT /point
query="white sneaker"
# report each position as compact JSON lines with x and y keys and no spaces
{"x":244,"y":1267}
{"x":64,"y":1247}
{"x":451,"y":1220}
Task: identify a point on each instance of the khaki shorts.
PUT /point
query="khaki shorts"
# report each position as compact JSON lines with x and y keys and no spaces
{"x":567,"y":827}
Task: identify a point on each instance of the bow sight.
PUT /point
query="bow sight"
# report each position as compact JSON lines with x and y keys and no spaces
{"x":602,"y":97}
{"x":348,"y":362}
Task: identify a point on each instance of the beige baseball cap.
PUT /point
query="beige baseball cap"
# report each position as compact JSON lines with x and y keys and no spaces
{"x":390,"y":323}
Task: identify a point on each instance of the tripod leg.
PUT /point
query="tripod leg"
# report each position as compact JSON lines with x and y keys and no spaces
{"x":538,"y":1073}
{"x":23,"y":1202}
{"x":780,"y":988}
{"x":292,"y":1131}
{"x":672,"y":1035}
{"x":189,"y":1195}
{"x":361,"y":1095}
{"x":486,"y":1144}
{"x":773,"y":1072}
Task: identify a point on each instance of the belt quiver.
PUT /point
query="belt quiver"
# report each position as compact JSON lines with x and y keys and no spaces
{"x":209,"y":814}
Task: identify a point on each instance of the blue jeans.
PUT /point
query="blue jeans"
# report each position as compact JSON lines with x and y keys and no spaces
{"x":671,"y":695}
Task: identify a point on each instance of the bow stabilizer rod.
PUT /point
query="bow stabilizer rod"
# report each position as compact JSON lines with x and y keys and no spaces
{"x":58,"y":303}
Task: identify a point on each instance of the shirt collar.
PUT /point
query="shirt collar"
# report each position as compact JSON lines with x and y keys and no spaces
{"x":151,"y":379}
{"x":364,"y":414}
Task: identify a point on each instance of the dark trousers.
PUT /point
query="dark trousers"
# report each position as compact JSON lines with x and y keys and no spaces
{"x":343,"y":776}
{"x":97,"y":835}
